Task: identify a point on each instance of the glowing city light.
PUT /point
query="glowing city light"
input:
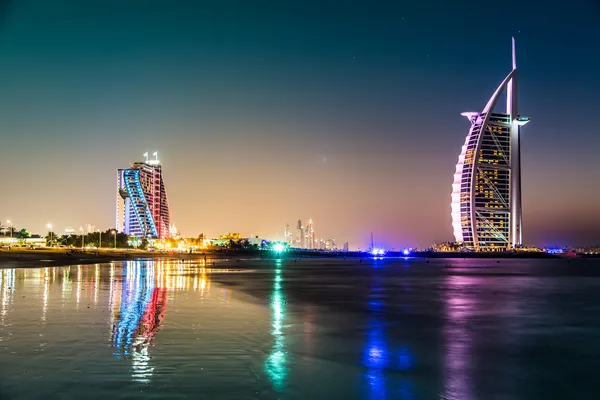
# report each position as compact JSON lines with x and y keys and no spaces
{"x":278,"y":248}
{"x":406,"y":252}
{"x":378,"y":252}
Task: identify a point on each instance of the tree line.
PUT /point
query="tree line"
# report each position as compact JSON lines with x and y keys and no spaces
{"x":109,"y":239}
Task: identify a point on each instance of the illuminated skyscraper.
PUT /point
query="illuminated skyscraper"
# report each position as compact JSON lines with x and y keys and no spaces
{"x":299,"y":235}
{"x":287,"y":235}
{"x":486,"y":192}
{"x":309,"y":233}
{"x":330,"y":244}
{"x":142,"y":206}
{"x":321,"y":244}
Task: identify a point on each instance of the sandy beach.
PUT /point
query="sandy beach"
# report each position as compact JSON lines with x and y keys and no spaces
{"x":29,"y":258}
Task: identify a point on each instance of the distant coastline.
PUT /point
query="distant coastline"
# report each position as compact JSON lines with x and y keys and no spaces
{"x":27,"y":258}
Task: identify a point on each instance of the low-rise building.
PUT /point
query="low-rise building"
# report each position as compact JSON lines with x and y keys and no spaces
{"x":22,"y":242}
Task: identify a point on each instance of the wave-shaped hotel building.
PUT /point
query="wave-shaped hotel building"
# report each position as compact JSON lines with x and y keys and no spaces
{"x":486,"y":192}
{"x":142,"y":206}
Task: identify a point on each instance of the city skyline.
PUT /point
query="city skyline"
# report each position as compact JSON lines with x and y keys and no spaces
{"x":345,"y":114}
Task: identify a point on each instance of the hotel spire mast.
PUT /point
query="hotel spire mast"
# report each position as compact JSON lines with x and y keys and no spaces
{"x":515,"y":159}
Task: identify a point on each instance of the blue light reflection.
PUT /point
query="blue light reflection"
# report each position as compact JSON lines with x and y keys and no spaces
{"x":141,"y":311}
{"x":381,"y":361}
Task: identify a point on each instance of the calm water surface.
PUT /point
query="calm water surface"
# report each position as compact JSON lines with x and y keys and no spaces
{"x":320,"y":329}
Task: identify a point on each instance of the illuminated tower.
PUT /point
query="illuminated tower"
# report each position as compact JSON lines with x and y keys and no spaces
{"x":486,"y":192}
{"x":287,"y":234}
{"x":142,"y":206}
{"x":299,"y":235}
{"x":309,"y":235}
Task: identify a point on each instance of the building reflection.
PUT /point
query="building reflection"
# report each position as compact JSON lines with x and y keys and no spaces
{"x":46,"y":290}
{"x":139,"y":304}
{"x":276,"y":363}
{"x":7,"y":291}
{"x":136,"y":296}
{"x":142,"y":307}
{"x":460,"y":308}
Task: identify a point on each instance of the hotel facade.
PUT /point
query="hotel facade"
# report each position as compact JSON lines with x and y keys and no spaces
{"x":486,"y":192}
{"x":142,"y":206}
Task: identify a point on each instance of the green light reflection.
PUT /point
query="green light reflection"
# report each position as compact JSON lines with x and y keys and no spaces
{"x":275,"y":363}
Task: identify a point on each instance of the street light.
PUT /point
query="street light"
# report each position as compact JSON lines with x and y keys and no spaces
{"x":82,"y":240}
{"x":115,"y":233}
{"x":49,"y":227}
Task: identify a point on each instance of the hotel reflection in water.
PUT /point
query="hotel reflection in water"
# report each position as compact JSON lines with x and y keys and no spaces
{"x":139,"y":305}
{"x":138,"y":293}
{"x":137,"y":297}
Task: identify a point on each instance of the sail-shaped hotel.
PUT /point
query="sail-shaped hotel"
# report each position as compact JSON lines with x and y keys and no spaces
{"x":486,"y":192}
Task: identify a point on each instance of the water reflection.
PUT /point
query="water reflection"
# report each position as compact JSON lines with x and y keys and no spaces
{"x":66,"y":282}
{"x":276,"y":363}
{"x":46,"y":289}
{"x":460,"y":308}
{"x":376,"y":354}
{"x":141,"y":313}
{"x":385,"y":362}
{"x":7,"y":288}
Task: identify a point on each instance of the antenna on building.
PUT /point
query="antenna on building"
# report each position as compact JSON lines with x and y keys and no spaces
{"x":155,"y":154}
{"x":146,"y":156}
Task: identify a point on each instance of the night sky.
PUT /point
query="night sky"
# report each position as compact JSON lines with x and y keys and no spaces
{"x":264,"y":113}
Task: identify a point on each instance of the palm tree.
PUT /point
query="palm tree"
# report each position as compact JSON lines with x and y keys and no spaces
{"x":50,"y":238}
{"x":22,"y":234}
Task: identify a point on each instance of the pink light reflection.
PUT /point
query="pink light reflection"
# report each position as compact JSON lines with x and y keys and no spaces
{"x":460,"y":308}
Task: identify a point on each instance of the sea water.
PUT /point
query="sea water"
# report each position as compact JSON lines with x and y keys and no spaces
{"x":302,"y":329}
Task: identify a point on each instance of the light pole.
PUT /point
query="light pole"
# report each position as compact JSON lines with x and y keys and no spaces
{"x":50,"y":227}
{"x":11,"y":228}
{"x":100,"y":239}
{"x":115,"y":233}
{"x":82,"y":240}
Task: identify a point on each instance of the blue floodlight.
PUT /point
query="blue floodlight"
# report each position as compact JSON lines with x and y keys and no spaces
{"x":378,"y":252}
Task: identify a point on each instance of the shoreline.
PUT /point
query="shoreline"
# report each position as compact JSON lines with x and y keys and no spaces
{"x":25,"y":258}
{"x":36,"y":258}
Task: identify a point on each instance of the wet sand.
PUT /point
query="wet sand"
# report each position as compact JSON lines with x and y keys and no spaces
{"x":33,"y":258}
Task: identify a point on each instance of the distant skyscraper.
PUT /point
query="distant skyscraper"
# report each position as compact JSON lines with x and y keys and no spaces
{"x":89,"y":228}
{"x":486,"y":192}
{"x":309,"y":233}
{"x":142,"y":206}
{"x":287,"y":235}
{"x":299,"y":235}
{"x":330,"y":244}
{"x":346,"y":247}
